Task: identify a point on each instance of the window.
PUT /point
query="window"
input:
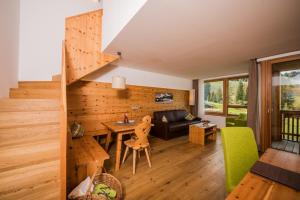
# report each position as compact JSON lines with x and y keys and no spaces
{"x":235,"y":100}
{"x":213,"y":97}
{"x":290,"y":90}
{"x":237,"y":96}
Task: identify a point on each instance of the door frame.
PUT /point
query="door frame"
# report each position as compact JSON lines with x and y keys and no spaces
{"x":266,"y":98}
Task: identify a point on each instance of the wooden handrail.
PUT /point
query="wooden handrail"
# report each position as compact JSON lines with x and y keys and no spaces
{"x":63,"y":127}
{"x":290,"y":125}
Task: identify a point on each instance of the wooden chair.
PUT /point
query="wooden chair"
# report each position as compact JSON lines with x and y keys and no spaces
{"x":140,"y":142}
{"x":147,"y":119}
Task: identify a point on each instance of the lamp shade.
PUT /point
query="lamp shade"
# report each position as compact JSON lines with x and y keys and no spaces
{"x":119,"y":82}
{"x":192,"y":97}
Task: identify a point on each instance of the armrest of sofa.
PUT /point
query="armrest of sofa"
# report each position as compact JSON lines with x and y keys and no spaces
{"x":198,"y":118}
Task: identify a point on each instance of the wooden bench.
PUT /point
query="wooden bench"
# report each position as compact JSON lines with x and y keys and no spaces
{"x":87,"y":156}
{"x":101,"y":132}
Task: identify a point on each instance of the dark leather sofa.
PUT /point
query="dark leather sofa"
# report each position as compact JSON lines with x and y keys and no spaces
{"x":176,"y":126}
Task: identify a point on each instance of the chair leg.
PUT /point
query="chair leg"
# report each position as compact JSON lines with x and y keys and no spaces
{"x":149,"y":150}
{"x":148,"y":158}
{"x":134,"y":161}
{"x":139,"y":154}
{"x":125,"y":154}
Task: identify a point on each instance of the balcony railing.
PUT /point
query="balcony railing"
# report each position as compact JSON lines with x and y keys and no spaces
{"x":290,"y":125}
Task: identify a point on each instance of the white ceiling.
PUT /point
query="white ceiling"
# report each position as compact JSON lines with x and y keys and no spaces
{"x":207,"y":38}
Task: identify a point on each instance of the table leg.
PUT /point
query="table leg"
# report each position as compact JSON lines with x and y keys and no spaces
{"x":134,"y":161}
{"x":215,"y":134}
{"x":202,"y":137}
{"x":118,"y":151}
{"x":108,"y":137}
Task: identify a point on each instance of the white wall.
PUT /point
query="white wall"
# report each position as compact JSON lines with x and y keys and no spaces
{"x":42,"y":31}
{"x":41,"y":35}
{"x":219,"y":120}
{"x":9,"y":23}
{"x":141,"y":78}
{"x":117,"y":13}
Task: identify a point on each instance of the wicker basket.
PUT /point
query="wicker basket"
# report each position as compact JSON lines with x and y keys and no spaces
{"x":110,"y":181}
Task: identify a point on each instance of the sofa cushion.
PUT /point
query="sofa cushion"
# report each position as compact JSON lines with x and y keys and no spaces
{"x":169,"y":114}
{"x":180,"y":115}
{"x":189,"y":117}
{"x":178,"y":126}
{"x":164,"y":119}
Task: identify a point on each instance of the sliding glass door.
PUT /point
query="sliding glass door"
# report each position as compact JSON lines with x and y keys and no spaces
{"x":285,"y":106}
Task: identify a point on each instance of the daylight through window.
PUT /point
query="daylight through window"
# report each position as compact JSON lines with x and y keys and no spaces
{"x":233,"y":103}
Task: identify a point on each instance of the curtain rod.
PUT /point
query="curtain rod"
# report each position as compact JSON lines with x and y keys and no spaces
{"x":278,"y":56}
{"x":226,"y":76}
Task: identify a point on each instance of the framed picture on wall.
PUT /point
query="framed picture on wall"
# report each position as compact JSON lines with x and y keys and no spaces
{"x":163,"y":97}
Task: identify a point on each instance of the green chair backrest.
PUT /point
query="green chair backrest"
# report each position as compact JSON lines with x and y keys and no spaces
{"x":242,"y":116}
{"x":240,"y":153}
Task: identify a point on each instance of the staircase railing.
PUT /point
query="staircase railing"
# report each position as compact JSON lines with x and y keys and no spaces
{"x":83,"y":46}
{"x":63,"y":126}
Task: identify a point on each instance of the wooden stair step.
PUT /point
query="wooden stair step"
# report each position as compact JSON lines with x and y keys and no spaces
{"x":39,"y":84}
{"x":35,"y":152}
{"x":22,"y":119}
{"x":34,"y":93}
{"x":29,"y":179}
{"x":20,"y":105}
{"x":56,"y":77}
{"x":37,"y":191}
{"x":27,"y":134}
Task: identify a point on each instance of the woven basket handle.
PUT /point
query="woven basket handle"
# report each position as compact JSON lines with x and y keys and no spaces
{"x":98,"y":170}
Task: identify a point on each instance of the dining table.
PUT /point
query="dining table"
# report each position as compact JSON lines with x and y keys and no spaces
{"x":254,"y":186}
{"x":120,"y":129}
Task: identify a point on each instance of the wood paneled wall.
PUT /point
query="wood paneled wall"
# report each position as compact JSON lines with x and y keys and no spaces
{"x":83,"y":34}
{"x":93,"y":102}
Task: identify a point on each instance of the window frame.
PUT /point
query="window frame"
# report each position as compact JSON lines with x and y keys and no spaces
{"x":226,"y":95}
{"x":227,"y":99}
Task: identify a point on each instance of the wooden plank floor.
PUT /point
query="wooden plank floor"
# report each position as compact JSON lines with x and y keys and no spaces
{"x":286,"y":146}
{"x":180,"y":170}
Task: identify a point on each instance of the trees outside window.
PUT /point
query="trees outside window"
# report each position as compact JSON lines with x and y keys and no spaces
{"x":213,"y":97}
{"x":233,"y":103}
{"x":237,"y":95}
{"x":290,"y":90}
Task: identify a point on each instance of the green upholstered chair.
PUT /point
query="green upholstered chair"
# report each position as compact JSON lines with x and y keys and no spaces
{"x":237,"y":121}
{"x":240,"y":153}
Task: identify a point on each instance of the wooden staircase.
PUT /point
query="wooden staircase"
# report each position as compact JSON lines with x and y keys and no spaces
{"x":30,"y":141}
{"x":83,"y":40}
{"x":33,"y":120}
{"x":36,"y":90}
